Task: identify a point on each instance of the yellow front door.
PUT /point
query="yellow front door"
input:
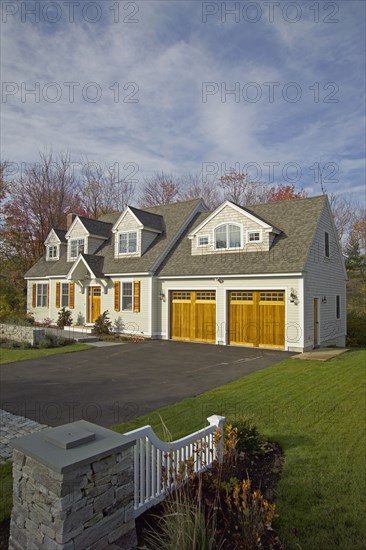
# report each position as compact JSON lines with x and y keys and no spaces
{"x":94,"y":303}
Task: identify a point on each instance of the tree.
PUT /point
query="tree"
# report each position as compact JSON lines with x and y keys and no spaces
{"x":160,"y":188}
{"x":191,"y":187}
{"x":101,"y":191}
{"x":344,"y":214}
{"x":38,"y":201}
{"x":3,"y":180}
{"x":283,"y":192}
{"x":355,"y":250}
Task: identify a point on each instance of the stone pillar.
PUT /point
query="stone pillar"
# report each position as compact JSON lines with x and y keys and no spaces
{"x":73,"y":489}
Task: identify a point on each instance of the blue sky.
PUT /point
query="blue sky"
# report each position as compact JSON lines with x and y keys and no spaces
{"x":151,"y":83}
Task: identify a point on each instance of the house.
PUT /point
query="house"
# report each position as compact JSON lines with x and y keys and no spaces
{"x":268,"y":276}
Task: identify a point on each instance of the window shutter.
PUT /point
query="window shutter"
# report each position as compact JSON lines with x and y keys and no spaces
{"x":58,"y":286}
{"x":34,"y":295}
{"x":117,"y":286}
{"x":136,"y":296}
{"x":72,"y":295}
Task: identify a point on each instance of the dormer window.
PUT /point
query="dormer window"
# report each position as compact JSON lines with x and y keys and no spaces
{"x":76,"y":247}
{"x":127,"y":243}
{"x":228,"y":236}
{"x":203,"y":240}
{"x":52,"y":252}
{"x":254,"y":236}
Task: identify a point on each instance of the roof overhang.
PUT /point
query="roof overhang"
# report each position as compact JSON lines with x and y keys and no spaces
{"x":267,"y":227}
{"x":81,"y":266}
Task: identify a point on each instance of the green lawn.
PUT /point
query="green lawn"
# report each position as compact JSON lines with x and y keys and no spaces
{"x":12,"y":355}
{"x":316,"y":411}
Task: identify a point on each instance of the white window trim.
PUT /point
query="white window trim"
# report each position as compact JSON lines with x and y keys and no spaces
{"x":241,"y":247}
{"x":254,"y":231}
{"x":121,"y":298}
{"x":56,"y":257}
{"x":77,"y":250}
{"x":68,"y":295}
{"x":203,"y":237}
{"x":137,"y":243}
{"x":47,"y":297}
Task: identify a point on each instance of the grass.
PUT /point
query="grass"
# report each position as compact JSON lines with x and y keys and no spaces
{"x":12,"y":355}
{"x":316,"y":411}
{"x":6,"y":488}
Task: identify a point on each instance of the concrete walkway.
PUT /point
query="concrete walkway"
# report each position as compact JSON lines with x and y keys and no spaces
{"x":12,"y":426}
{"x":320,"y":354}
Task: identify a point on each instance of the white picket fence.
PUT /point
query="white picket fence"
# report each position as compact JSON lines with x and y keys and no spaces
{"x":157,"y":463}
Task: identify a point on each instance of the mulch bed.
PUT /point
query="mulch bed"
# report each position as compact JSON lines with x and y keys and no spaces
{"x":264,"y":470}
{"x":4,"y":534}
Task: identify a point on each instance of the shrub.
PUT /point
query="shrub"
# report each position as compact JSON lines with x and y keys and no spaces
{"x":18,"y":319}
{"x":64,"y":318}
{"x":47,"y":322}
{"x":103,"y":324}
{"x":356,"y":329}
{"x":249,"y":440}
{"x":80,"y":320}
{"x":118,"y":325}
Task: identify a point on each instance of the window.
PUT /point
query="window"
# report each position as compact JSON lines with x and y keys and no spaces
{"x":126,"y":296}
{"x":338,"y":307}
{"x":76,"y":247}
{"x":127,"y":243}
{"x":42,"y":295}
{"x":52,"y":252}
{"x":203,"y":241}
{"x":326,"y":244}
{"x":227,"y":236}
{"x":65,"y":295}
{"x":254,"y":237}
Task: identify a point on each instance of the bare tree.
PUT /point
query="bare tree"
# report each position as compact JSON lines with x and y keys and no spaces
{"x":160,"y":188}
{"x":3,"y":179}
{"x":38,"y":201}
{"x":191,"y":186}
{"x":101,"y":190}
{"x":344,"y":213}
{"x":240,"y":189}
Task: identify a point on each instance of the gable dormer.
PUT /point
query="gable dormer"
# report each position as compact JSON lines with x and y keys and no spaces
{"x":53,"y":243}
{"x":85,"y":236}
{"x":135,"y":230}
{"x":231,"y":228}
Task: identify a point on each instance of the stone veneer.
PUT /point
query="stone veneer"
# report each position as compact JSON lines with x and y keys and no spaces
{"x":72,"y":496}
{"x":20,"y":333}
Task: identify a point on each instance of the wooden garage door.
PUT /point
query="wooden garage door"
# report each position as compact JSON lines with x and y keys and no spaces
{"x":193,"y":315}
{"x":257,"y":318}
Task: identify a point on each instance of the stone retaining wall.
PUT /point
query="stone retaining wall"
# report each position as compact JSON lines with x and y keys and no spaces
{"x":86,"y":505}
{"x":19,"y":333}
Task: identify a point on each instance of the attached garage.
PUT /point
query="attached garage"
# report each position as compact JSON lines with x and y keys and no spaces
{"x":257,"y":318}
{"x":193,"y":315}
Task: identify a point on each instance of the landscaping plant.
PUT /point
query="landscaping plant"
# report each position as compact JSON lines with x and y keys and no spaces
{"x":64,"y":318}
{"x":103,"y":324}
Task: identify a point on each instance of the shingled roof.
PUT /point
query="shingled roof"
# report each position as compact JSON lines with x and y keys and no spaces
{"x":96,"y":227}
{"x":297,"y":219}
{"x":171,"y":219}
{"x":61,"y":234}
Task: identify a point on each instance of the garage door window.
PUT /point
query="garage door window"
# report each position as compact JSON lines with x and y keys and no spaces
{"x":271,"y":296}
{"x":206,"y":295}
{"x":241,"y":296}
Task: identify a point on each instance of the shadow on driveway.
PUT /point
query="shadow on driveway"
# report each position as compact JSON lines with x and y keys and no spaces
{"x":115,"y":384}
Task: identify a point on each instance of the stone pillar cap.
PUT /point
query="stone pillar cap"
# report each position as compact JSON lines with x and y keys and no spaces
{"x":62,"y":449}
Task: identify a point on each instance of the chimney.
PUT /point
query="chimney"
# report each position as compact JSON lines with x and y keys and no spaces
{"x":69,"y":219}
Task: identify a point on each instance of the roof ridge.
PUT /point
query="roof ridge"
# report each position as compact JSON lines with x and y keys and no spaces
{"x":284,"y":200}
{"x":95,"y":220}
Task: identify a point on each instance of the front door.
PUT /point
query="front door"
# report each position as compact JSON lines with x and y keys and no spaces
{"x":316,"y":322}
{"x":94,"y":303}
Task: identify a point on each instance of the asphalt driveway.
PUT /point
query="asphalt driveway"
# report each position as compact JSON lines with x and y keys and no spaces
{"x":113,"y":384}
